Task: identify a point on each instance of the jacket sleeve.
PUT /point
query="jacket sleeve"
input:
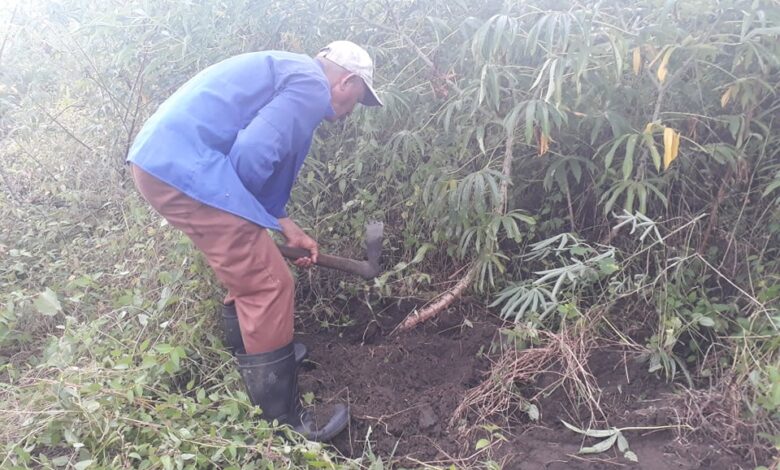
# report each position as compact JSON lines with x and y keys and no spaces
{"x":299,"y":105}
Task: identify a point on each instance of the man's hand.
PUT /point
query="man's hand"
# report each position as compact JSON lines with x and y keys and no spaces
{"x":298,"y":238}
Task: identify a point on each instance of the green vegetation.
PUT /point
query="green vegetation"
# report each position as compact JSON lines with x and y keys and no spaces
{"x":610,"y":163}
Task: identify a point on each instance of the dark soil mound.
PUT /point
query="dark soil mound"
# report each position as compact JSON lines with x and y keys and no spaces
{"x":404,"y":388}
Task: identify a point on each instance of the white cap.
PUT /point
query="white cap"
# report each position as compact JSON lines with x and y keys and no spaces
{"x":354,"y":59}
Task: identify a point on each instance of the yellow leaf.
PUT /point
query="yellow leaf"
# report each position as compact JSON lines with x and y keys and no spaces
{"x":662,"y":72}
{"x":675,"y":145}
{"x":671,"y":146}
{"x":668,"y":139}
{"x":544,"y":144}
{"x":649,"y":127}
{"x":724,"y":100}
{"x":662,"y":68}
{"x":637,"y":60}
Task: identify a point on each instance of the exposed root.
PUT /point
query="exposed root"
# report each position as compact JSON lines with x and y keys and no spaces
{"x":444,"y":301}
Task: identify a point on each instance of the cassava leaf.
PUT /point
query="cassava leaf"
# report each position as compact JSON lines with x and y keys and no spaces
{"x":602,"y":446}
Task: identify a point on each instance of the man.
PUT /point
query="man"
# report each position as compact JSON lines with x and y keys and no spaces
{"x":218,"y":160}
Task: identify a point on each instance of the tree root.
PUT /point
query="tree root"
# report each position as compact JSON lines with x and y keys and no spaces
{"x":441,"y":303}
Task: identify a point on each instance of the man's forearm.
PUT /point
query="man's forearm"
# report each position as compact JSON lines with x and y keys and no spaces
{"x":289,"y":228}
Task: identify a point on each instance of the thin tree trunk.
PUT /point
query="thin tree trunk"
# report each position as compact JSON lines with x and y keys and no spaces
{"x":449,"y":296}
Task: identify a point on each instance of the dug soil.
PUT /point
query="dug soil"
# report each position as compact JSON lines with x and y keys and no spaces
{"x":403,"y":389}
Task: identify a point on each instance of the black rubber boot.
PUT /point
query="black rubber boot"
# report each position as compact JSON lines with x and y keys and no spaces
{"x":271,"y":381}
{"x":234,"y":342}
{"x":231,"y":329}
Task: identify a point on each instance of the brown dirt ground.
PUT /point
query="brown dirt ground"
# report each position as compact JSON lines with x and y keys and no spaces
{"x":403,"y":389}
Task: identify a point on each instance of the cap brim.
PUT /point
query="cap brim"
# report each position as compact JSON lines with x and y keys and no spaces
{"x":371,"y":98}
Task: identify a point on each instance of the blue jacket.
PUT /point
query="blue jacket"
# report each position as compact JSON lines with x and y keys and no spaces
{"x":235,"y":136}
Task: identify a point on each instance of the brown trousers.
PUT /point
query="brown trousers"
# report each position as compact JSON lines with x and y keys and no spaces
{"x":243,"y":256}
